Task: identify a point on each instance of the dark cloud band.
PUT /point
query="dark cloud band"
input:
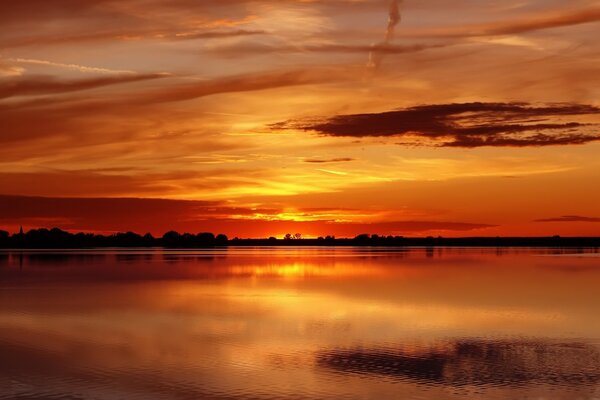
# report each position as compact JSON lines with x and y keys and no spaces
{"x":569,"y":218}
{"x":466,"y":125}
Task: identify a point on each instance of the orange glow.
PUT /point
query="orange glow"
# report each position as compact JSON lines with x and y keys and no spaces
{"x":258,"y":120}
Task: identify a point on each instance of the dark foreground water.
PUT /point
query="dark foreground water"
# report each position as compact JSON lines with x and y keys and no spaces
{"x":300,"y":324}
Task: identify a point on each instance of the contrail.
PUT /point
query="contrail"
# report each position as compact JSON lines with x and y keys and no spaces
{"x":376,"y":56}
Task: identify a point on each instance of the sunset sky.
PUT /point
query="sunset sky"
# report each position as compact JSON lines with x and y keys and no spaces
{"x":324,"y":117}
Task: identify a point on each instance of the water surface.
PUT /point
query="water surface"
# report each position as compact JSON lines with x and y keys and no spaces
{"x":300,"y":323}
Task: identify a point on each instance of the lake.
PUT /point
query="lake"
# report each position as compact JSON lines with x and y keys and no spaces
{"x":300,"y":323}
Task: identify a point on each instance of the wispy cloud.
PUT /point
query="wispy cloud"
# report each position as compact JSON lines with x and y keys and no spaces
{"x":10,"y":70}
{"x":214,"y":34}
{"x":528,"y":23}
{"x":100,"y":118}
{"x":246,"y":83}
{"x":260,"y":49}
{"x":128,"y":35}
{"x":42,"y":85}
{"x":74,"y":67}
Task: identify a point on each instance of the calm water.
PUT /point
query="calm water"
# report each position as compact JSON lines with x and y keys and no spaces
{"x":300,"y":324}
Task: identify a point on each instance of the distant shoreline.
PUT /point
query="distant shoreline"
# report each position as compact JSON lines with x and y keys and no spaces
{"x":59,"y":239}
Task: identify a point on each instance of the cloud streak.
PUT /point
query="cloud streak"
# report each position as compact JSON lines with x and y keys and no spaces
{"x":217,"y":34}
{"x":466,"y":125}
{"x":257,"y":49}
{"x":128,"y":35}
{"x":75,"y":67}
{"x":570,"y":218}
{"x":525,"y":24}
{"x":246,"y":83}
{"x":43,"y":85}
{"x":10,"y":70}
{"x":328,"y":160}
{"x":99,"y":118}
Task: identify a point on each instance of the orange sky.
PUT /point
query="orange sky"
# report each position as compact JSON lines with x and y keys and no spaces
{"x":262,"y":117}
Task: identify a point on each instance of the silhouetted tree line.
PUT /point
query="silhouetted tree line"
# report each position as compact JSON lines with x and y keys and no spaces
{"x":57,"y":238}
{"x":430,"y":241}
{"x":366,"y":240}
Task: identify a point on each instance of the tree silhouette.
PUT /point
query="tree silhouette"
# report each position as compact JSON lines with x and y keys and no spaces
{"x":205,"y":238}
{"x":221,"y":240}
{"x":171,"y":238}
{"x":56,"y":238}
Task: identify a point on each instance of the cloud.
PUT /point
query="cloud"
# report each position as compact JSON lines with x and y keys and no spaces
{"x":217,"y":34}
{"x":524,"y":24}
{"x":25,"y":11}
{"x":118,"y":214}
{"x":400,"y":227}
{"x":569,"y":218}
{"x":43,"y":85}
{"x":128,"y":182}
{"x":192,"y":89}
{"x":75,"y":67}
{"x":123,"y":214}
{"x":245,"y":83}
{"x":262,"y":49}
{"x":128,"y":35}
{"x":328,"y":160}
{"x":466,"y":125}
{"x":63,"y":21}
{"x":10,"y":70}
{"x":100,"y":117}
{"x":42,"y":23}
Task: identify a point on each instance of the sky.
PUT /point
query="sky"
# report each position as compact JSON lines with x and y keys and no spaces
{"x":258,"y":118}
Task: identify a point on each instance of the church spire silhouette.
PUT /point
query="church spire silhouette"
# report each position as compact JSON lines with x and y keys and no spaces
{"x":21,"y":230}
